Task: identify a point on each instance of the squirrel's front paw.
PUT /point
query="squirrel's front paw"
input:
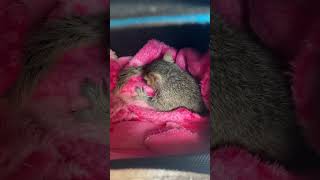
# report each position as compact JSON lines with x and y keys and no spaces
{"x":141,"y":94}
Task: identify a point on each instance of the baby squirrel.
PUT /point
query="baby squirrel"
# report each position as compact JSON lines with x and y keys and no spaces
{"x":53,"y":38}
{"x":173,"y":87}
{"x":41,"y":51}
{"x":251,"y":104}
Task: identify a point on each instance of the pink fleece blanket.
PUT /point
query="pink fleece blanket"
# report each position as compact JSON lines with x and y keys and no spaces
{"x":291,"y":28}
{"x":138,"y":130}
{"x":45,"y":141}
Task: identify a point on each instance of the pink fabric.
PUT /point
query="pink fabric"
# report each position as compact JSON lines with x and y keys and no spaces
{"x":45,"y":141}
{"x":138,"y":130}
{"x":291,"y":28}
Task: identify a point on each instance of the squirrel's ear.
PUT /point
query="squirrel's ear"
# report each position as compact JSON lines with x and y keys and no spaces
{"x":168,"y":57}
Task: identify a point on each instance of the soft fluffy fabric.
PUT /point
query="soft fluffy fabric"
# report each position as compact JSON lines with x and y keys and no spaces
{"x":291,"y":29}
{"x":139,"y":130}
{"x":45,"y":141}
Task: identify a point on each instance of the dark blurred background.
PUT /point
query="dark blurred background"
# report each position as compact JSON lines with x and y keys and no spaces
{"x":127,"y":40}
{"x":130,"y":8}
